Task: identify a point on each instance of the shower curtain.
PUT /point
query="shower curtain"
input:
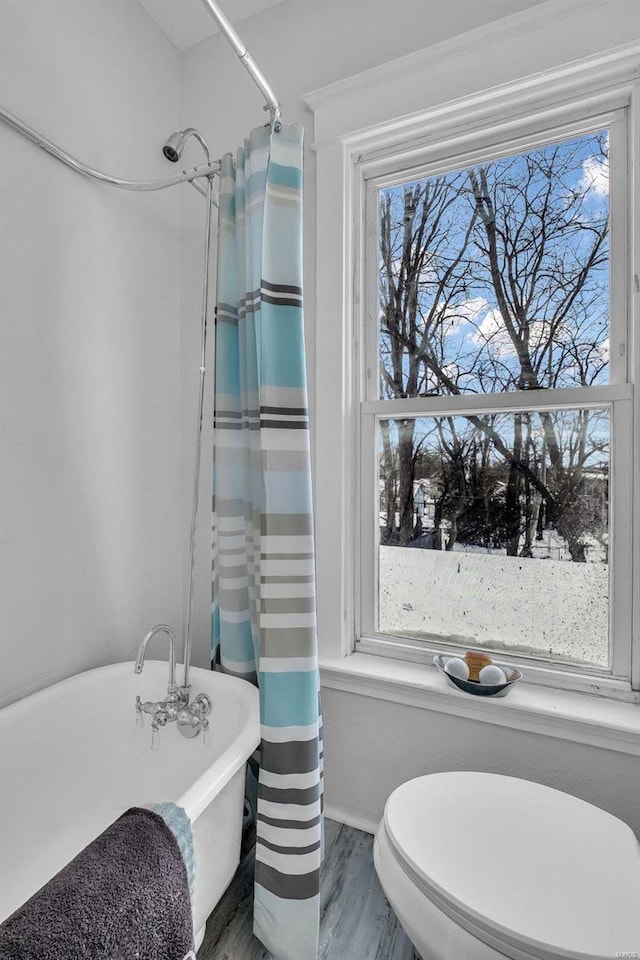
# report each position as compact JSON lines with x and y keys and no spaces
{"x":263,"y":613}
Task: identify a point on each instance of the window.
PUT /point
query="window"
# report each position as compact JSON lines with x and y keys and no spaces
{"x":495,"y":470}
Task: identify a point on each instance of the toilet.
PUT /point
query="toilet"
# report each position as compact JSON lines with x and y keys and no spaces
{"x":479,"y":866}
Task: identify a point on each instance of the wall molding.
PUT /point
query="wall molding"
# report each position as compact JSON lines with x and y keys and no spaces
{"x":473,"y":67}
{"x":341,"y":816}
{"x":505,"y":29}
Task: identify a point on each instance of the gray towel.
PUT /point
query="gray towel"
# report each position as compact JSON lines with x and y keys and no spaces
{"x":124,"y":897}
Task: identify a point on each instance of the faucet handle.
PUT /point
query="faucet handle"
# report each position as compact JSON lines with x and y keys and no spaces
{"x":192,"y":717}
{"x":202,"y":705}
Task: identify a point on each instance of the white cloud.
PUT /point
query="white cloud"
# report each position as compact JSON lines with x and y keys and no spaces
{"x":595,"y":176}
{"x":492,"y":332}
{"x":455,"y":315}
{"x":452,"y":371}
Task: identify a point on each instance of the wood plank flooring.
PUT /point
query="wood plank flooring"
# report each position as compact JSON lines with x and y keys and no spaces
{"x":356,"y":921}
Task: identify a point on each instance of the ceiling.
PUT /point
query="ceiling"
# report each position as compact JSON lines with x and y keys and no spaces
{"x":187,"y":22}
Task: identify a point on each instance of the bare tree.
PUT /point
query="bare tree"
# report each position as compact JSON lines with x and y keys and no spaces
{"x":542,"y":250}
{"x":419,"y":265}
{"x":522,"y":238}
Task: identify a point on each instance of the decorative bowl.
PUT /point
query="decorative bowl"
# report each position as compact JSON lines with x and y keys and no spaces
{"x":474,"y":686}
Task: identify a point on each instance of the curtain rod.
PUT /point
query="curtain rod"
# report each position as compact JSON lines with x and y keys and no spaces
{"x":272,"y":102}
{"x":187,"y":176}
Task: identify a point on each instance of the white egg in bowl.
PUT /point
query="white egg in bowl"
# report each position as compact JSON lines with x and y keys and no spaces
{"x":494,"y":678}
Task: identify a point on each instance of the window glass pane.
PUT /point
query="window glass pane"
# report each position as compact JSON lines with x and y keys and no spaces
{"x":496,"y":278}
{"x":494,"y":532}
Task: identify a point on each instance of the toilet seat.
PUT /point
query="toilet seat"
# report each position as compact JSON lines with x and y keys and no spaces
{"x":534,"y":873}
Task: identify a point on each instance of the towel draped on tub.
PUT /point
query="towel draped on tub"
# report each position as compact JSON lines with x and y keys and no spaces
{"x":124,"y":897}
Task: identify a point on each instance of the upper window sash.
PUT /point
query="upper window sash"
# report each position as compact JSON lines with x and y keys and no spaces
{"x":398,"y":168}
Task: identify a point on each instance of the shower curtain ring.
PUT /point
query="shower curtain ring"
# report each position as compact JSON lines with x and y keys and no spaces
{"x":276,"y":122}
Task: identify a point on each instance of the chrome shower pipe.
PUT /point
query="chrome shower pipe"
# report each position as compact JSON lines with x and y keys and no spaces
{"x":272,"y":102}
{"x":198,"y":446}
{"x":187,"y":176}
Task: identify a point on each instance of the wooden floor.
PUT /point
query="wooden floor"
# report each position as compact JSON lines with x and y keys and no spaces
{"x":356,"y":921}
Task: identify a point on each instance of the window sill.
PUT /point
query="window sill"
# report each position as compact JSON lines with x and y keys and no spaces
{"x":549,"y":712}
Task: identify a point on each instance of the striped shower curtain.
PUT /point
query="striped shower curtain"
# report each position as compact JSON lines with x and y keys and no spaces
{"x":263,"y":613}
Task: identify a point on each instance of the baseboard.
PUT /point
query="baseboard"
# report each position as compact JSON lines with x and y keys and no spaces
{"x":341,"y":816}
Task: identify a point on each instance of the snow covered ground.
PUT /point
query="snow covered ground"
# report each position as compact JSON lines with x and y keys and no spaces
{"x":551,"y":607}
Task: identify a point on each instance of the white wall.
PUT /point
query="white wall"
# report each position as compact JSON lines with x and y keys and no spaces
{"x":373,"y":745}
{"x":90,"y":494}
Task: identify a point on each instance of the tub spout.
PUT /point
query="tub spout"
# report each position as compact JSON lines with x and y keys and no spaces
{"x":142,"y":649}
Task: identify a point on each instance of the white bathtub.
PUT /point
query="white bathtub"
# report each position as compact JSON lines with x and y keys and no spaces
{"x":72,"y":759}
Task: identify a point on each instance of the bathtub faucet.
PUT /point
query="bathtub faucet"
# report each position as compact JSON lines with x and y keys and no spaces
{"x":191,"y":717}
{"x":172,"y":689}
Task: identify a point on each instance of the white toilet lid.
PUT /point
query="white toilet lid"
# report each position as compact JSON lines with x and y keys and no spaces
{"x":533,"y":872}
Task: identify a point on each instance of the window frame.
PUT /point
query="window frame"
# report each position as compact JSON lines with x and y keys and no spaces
{"x":456,"y":146}
{"x":477,"y":79}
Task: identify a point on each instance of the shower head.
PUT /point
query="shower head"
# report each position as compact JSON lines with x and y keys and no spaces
{"x":175,"y":144}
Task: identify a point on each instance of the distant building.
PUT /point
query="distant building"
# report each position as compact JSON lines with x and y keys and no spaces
{"x":424,"y":502}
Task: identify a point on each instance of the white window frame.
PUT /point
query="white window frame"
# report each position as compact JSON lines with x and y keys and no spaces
{"x":357,"y":125}
{"x":414,"y":161}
